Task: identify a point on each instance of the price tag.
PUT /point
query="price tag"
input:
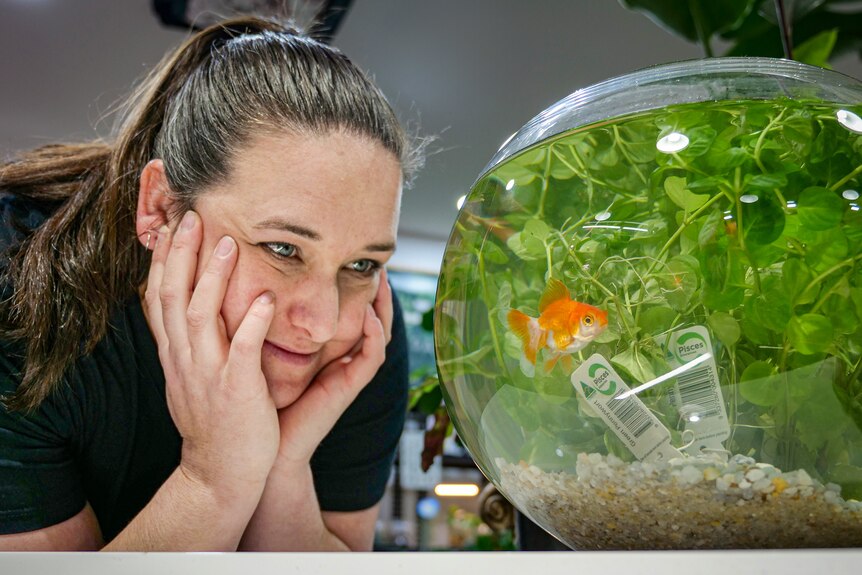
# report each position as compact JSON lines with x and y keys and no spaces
{"x":627,"y":417}
{"x":697,"y":392}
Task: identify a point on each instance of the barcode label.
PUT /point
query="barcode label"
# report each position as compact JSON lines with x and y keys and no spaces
{"x":697,"y":393}
{"x":631,"y":414}
{"x":696,"y":387}
{"x":625,"y":414}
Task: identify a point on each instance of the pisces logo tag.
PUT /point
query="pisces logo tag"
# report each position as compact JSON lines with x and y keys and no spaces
{"x":602,"y":381}
{"x":689,"y":346}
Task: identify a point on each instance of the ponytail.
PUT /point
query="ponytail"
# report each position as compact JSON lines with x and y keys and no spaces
{"x":69,"y":274}
{"x":194,"y":111}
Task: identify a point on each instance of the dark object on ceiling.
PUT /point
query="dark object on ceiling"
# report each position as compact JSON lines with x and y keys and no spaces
{"x":320,"y":17}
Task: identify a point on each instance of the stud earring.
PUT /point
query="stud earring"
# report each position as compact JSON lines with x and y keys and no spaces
{"x":149,"y":236}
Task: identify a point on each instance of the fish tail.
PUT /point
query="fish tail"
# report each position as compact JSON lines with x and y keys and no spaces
{"x":522,"y":326}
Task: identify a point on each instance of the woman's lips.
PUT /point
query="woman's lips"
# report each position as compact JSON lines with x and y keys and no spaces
{"x":288,"y":356}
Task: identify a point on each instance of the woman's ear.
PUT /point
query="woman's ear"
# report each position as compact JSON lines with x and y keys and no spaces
{"x":154,"y":202}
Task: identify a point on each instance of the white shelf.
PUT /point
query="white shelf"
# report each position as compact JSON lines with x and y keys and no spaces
{"x":802,"y":562}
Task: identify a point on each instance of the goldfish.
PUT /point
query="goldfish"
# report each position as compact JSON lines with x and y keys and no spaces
{"x":563,"y":327}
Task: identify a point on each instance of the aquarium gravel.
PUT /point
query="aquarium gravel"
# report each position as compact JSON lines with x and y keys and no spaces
{"x":685,"y":503}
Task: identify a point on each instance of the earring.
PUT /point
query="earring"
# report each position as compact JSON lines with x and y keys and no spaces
{"x":149,"y":236}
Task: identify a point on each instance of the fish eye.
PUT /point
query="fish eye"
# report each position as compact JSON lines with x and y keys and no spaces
{"x":588,"y":320}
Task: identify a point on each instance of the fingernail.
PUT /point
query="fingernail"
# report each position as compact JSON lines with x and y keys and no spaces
{"x":188,"y":221}
{"x":224,"y":247}
{"x":266,"y":297}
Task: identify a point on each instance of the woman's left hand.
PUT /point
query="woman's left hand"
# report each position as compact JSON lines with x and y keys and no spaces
{"x":306,"y":422}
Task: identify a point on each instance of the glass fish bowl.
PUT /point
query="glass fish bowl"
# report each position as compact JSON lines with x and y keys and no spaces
{"x":648,"y":321}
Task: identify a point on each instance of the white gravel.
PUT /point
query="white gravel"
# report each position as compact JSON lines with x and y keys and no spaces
{"x":700,"y":502}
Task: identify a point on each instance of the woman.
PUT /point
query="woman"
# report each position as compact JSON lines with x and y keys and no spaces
{"x":193,"y":314}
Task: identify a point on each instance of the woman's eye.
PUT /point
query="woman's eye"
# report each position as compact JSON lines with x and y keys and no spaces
{"x":366,"y":267}
{"x":281,"y":250}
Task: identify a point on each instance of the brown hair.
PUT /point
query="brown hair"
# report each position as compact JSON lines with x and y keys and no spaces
{"x":194,"y":111}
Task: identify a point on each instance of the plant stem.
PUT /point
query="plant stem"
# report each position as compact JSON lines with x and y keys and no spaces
{"x":846,"y":178}
{"x":580,"y":264}
{"x":827,"y":273}
{"x":540,"y":212}
{"x":686,"y":222}
{"x":786,"y":29}
{"x":698,"y":17}
{"x":622,"y":146}
{"x":741,"y":232}
{"x":829,"y":292}
{"x":491,"y":321}
{"x":758,"y":147}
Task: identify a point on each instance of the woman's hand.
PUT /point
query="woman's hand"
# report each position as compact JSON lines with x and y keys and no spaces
{"x":306,"y":422}
{"x":216,"y":392}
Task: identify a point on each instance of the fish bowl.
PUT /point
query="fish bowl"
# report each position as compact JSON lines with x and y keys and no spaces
{"x":648,"y":321}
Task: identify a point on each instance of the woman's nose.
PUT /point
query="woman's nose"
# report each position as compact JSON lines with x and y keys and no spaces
{"x":314,"y":309}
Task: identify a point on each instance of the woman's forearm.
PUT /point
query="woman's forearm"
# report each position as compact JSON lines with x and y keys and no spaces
{"x":288,"y":517}
{"x":188,"y":515}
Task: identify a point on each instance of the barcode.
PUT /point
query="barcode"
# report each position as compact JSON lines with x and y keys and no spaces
{"x":631,"y":414}
{"x":696,"y":388}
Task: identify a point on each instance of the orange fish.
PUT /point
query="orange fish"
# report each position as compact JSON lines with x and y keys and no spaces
{"x":564,"y":326}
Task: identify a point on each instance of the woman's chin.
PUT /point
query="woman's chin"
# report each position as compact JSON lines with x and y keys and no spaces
{"x":284,"y":393}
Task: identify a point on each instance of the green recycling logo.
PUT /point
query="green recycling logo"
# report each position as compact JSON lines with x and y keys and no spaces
{"x":601,"y":379}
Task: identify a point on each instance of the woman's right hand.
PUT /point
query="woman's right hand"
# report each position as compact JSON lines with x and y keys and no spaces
{"x":217,"y":395}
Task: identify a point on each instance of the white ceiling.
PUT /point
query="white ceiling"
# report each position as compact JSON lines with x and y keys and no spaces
{"x":469,"y":72}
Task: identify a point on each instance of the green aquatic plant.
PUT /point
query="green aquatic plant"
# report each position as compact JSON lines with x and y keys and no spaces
{"x":742,"y":217}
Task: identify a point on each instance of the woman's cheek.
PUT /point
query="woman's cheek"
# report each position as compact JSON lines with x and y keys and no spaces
{"x":353,"y":317}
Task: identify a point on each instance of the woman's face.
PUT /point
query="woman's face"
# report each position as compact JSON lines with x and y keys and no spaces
{"x":314,"y":218}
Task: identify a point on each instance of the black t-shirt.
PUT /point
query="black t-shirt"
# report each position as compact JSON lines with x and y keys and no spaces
{"x":105,"y":436}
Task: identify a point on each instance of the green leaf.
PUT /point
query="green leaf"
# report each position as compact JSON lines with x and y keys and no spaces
{"x":762,"y":220}
{"x":816,"y":420}
{"x":709,"y":232}
{"x":492,"y":253}
{"x":817,"y":49}
{"x":656,"y":319}
{"x":820,"y":208}
{"x":677,"y":192}
{"x":766,"y":181}
{"x":810,"y":333}
{"x":725,"y":327}
{"x":709,"y":16}
{"x":726,"y":160}
{"x":428,"y":320}
{"x":849,"y":478}
{"x":795,"y":277}
{"x":635,"y":364}
{"x":427,"y":401}
{"x":760,"y":385}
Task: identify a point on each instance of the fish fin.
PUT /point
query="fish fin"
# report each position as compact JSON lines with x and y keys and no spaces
{"x":519,"y":323}
{"x":554,"y":291}
{"x":549,"y":365}
{"x":568,"y":363}
{"x":562,"y":340}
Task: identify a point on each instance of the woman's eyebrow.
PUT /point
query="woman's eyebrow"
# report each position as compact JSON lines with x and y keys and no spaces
{"x":280,"y":224}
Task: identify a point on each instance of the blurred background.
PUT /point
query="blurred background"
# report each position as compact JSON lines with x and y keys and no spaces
{"x":468,"y":73}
